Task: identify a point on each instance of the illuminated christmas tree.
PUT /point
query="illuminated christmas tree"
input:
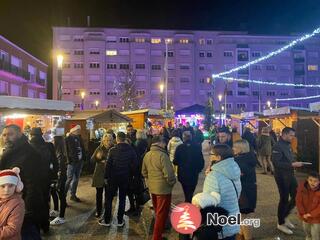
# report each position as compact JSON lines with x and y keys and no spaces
{"x":126,"y":90}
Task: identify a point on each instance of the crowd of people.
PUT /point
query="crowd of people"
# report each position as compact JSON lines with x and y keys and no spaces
{"x":144,"y":167}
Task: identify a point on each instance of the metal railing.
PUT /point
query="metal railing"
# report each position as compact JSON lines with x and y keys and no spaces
{"x":8,"y":67}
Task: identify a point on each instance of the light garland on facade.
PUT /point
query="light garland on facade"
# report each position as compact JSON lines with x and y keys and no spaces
{"x":297,"y":98}
{"x":270,"y":83}
{"x":272,"y":54}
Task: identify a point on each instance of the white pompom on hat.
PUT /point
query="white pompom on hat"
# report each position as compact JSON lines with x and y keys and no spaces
{"x":11,"y":176}
{"x":206,"y":199}
{"x":75,"y":128}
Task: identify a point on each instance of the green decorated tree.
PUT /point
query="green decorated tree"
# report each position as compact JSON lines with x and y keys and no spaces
{"x":126,"y":90}
{"x":209,"y":110}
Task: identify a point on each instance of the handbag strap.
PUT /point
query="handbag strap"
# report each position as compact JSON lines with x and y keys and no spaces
{"x":235,"y":188}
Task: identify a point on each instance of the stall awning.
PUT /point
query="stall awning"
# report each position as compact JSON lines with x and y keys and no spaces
{"x":109,"y":116}
{"x":11,"y":104}
{"x":314,"y":107}
{"x":149,"y":111}
{"x":283,"y":111}
{"x":194,"y":109}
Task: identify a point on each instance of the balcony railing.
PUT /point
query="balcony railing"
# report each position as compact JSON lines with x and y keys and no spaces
{"x":299,"y":72}
{"x":41,"y":82}
{"x":8,"y":67}
{"x":243,"y":84}
{"x":242,"y":58}
{"x":299,"y":59}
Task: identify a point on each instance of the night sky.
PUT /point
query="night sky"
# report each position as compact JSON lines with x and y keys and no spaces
{"x":28,"y":22}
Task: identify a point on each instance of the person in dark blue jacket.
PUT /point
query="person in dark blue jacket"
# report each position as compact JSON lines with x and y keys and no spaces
{"x":189,"y":159}
{"x":120,"y":165}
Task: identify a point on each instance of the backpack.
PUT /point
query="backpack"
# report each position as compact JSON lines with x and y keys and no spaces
{"x":205,"y":232}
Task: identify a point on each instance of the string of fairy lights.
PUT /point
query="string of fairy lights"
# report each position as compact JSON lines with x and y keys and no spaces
{"x":297,"y":98}
{"x":269,"y":55}
{"x":270,"y":83}
{"x":263,"y":58}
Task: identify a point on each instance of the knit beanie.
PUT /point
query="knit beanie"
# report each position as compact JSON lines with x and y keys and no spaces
{"x":206,"y":199}
{"x":11,"y":176}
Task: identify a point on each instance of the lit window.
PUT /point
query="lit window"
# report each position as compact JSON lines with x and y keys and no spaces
{"x":155,"y":40}
{"x":184,"y":41}
{"x":312,"y":67}
{"x":111,"y":53}
{"x":202,"y":41}
{"x":169,"y":41}
{"x":140,"y":40}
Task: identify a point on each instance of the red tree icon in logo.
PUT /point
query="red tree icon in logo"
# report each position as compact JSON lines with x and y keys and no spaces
{"x":185,"y":218}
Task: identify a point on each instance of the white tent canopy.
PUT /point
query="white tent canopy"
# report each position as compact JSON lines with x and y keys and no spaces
{"x":34,"y":105}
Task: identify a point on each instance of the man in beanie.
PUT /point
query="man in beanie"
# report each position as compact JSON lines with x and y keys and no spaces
{"x":158,"y":171}
{"x":121,"y":164}
{"x":19,"y":153}
{"x":76,"y":157}
{"x":47,"y":170}
{"x":11,"y":204}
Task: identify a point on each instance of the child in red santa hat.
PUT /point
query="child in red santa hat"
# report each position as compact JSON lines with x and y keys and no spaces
{"x":11,"y":204}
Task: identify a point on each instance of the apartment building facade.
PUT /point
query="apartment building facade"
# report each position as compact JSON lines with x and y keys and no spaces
{"x":96,"y":58}
{"x":21,"y":74}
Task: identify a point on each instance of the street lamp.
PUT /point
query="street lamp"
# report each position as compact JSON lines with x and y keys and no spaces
{"x":97,"y":104}
{"x":83,"y":94}
{"x":161,"y":95}
{"x":60,"y":64}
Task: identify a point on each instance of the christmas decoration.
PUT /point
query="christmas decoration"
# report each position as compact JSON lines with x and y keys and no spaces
{"x":297,"y":98}
{"x":272,"y":54}
{"x":126,"y":90}
{"x":270,"y":83}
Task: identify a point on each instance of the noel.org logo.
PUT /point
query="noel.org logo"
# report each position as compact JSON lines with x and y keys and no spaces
{"x":185,"y":218}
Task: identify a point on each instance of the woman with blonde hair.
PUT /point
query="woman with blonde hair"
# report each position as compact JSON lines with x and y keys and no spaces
{"x":247,"y":161}
{"x":99,"y":158}
{"x":264,"y":145}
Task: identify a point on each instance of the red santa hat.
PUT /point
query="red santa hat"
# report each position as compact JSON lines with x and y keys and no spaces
{"x":11,"y":176}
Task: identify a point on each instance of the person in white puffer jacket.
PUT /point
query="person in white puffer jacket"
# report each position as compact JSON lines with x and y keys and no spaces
{"x":174,"y":142}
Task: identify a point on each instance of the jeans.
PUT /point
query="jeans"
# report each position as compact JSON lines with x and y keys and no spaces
{"x":312,"y":231}
{"x":30,"y":232}
{"x":59,"y":191}
{"x":287,"y":186}
{"x":99,"y":198}
{"x":114,"y":184}
{"x":161,"y":205}
{"x":188,"y":191}
{"x":73,"y":176}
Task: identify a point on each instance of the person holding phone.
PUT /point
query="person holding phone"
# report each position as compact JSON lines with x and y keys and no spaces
{"x":282,"y":159}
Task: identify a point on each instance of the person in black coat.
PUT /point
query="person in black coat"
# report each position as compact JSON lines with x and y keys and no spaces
{"x":59,"y":189}
{"x":48,"y":169}
{"x":198,"y":136}
{"x":247,"y":161}
{"x":136,"y":185}
{"x":121,"y":163}
{"x":76,"y":157}
{"x":19,"y":153}
{"x":189,"y":159}
{"x":249,"y":136}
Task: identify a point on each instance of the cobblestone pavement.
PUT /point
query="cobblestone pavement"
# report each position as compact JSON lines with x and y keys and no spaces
{"x":81,"y":223}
